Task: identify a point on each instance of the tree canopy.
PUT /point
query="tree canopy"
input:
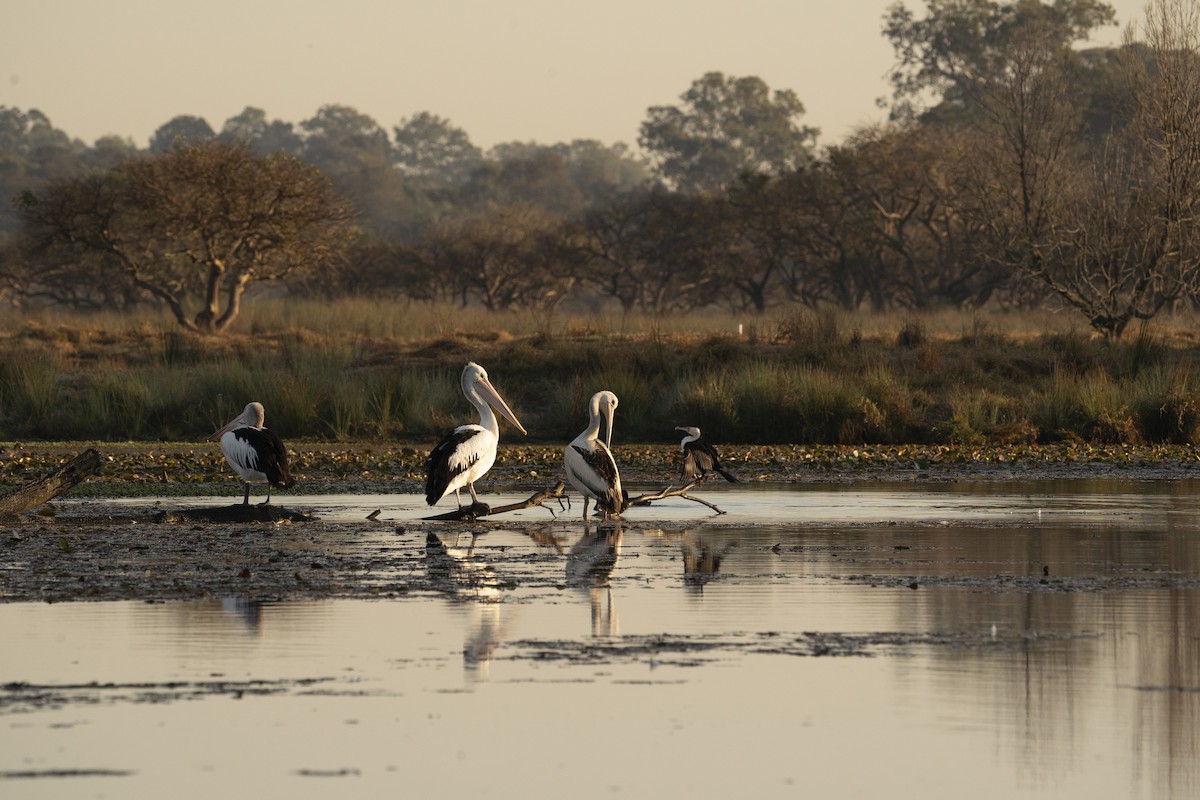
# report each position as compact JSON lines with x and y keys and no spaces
{"x":192,"y":226}
{"x":724,"y":128}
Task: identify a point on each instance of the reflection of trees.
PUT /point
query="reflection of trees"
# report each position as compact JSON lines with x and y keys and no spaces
{"x":1140,"y":637}
{"x":590,"y":563}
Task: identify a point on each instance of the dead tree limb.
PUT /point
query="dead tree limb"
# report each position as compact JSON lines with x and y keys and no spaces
{"x":74,"y":472}
{"x":476,"y":510}
{"x":558,"y":491}
{"x":669,"y":491}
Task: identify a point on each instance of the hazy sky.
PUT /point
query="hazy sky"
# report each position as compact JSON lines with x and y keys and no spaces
{"x":528,"y":70}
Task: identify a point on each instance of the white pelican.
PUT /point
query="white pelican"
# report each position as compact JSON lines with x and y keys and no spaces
{"x":699,"y":457}
{"x":467,"y":453}
{"x":254,"y":452}
{"x":590,"y":465}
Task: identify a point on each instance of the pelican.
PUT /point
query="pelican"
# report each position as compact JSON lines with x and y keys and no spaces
{"x":699,"y":457}
{"x":467,"y":453}
{"x":589,"y":462}
{"x":254,"y":452}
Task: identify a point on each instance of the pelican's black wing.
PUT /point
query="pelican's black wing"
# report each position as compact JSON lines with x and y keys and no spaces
{"x":441,"y":467}
{"x":269,"y":453}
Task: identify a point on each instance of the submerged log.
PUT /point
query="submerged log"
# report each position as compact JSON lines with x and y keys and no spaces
{"x":66,"y":477}
{"x":476,"y":510}
{"x":558,"y":492}
{"x":238,"y":512}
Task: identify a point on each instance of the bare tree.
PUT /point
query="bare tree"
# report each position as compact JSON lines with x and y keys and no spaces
{"x":201,"y":221}
{"x":1111,"y":232}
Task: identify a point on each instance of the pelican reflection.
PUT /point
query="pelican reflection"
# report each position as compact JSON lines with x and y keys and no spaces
{"x":590,"y":564}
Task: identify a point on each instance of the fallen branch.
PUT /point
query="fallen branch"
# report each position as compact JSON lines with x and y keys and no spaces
{"x":66,"y":477}
{"x":477,"y":510}
{"x":669,"y":491}
{"x":558,"y":491}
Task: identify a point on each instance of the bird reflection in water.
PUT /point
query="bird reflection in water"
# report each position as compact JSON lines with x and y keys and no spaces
{"x":701,"y":559}
{"x":462,"y":574}
{"x":590,"y":564}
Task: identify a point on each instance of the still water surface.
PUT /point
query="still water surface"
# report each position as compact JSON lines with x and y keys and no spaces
{"x":985,"y":641}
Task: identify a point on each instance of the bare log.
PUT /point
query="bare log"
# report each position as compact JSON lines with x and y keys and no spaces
{"x":66,"y":477}
{"x":669,"y":491}
{"x":477,"y":510}
{"x":558,"y":491}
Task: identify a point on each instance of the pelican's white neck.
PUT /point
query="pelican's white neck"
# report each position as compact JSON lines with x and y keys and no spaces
{"x":487,"y":417}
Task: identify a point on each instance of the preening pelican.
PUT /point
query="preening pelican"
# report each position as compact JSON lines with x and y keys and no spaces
{"x":699,"y":457}
{"x":467,"y":453}
{"x":254,"y":452}
{"x":589,"y":462}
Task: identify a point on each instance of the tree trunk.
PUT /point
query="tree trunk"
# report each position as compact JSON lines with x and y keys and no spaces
{"x":75,"y":471}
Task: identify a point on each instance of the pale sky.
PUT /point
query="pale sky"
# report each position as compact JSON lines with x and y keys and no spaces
{"x":509,"y":70}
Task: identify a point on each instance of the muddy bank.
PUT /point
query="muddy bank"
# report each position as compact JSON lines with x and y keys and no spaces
{"x":148,"y":468}
{"x":101,"y":550}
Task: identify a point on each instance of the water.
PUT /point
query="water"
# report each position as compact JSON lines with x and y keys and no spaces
{"x":984,"y":640}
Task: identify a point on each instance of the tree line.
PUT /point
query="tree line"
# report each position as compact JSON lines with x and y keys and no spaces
{"x":1019,"y":168}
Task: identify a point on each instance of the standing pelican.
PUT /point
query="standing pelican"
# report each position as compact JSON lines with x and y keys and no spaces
{"x":467,"y":453}
{"x":590,"y":465}
{"x":699,"y":457}
{"x":254,"y":452}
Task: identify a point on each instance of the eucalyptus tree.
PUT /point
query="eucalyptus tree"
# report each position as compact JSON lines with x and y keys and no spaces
{"x":726,"y":127}
{"x":503,"y":258}
{"x":261,"y":134}
{"x":192,"y":227}
{"x":941,"y":55}
{"x":184,"y":129}
{"x":355,"y":152}
{"x":434,"y":150}
{"x":32,"y":152}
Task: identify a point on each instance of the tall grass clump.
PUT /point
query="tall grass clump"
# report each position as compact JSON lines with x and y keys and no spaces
{"x":115,"y":403}
{"x":32,"y":393}
{"x":777,"y":402}
{"x":708,"y":400}
{"x":1089,"y":407}
{"x":976,"y":416}
{"x":1166,"y":405}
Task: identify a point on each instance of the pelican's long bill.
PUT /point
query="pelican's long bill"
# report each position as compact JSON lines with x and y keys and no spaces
{"x":493,"y":398}
{"x":607,"y":410}
{"x":247,"y":417}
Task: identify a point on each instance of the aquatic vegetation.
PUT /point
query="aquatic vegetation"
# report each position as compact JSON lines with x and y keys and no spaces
{"x":364,"y":370}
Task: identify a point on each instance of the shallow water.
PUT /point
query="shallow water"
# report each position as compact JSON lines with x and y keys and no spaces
{"x":901,"y":640}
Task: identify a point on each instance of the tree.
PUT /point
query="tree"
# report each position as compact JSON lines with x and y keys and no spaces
{"x":200,"y":221}
{"x":262,"y":135}
{"x":181,"y":130}
{"x":504,"y":258}
{"x":1114,"y":233}
{"x":32,"y":152}
{"x":431,"y":148}
{"x":354,"y":151}
{"x":532,"y":175}
{"x":654,"y":250}
{"x":726,"y":127}
{"x":958,"y":42}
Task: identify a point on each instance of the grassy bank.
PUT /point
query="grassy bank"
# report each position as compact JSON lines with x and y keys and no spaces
{"x":359,"y":370}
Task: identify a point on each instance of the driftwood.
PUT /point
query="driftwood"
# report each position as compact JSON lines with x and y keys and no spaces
{"x":670,"y":491}
{"x":239,"y":512}
{"x":477,"y":510}
{"x":558,"y":492}
{"x":74,"y":472}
